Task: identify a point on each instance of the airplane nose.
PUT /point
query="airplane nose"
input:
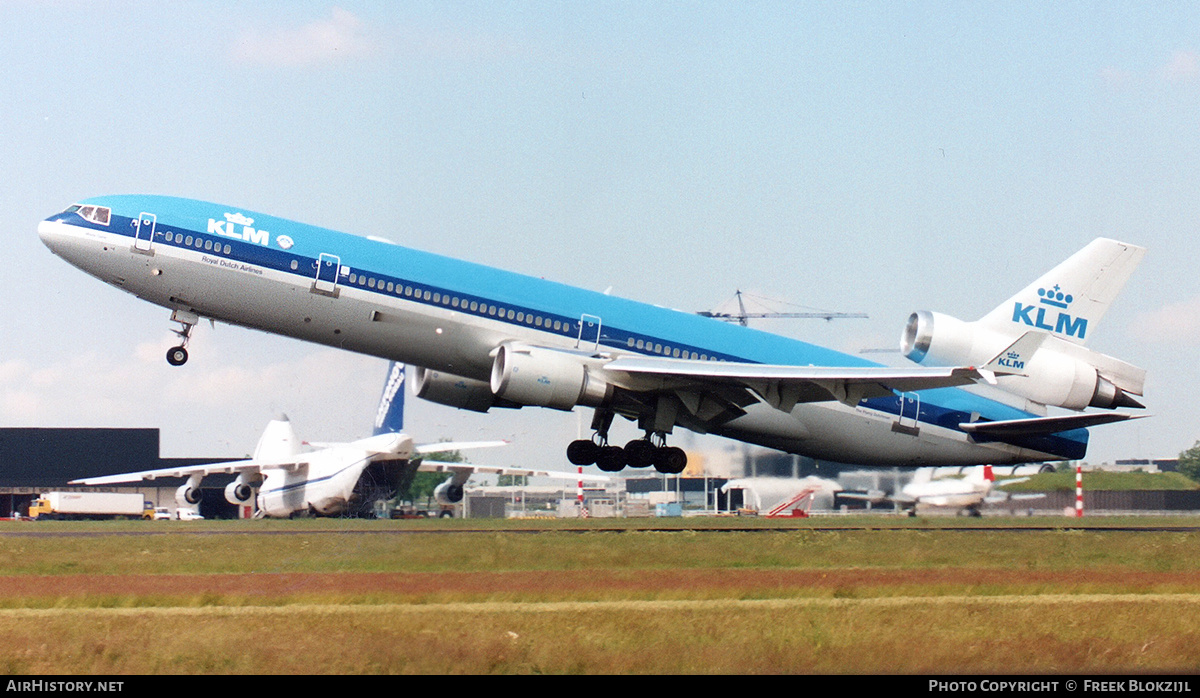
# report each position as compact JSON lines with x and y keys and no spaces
{"x":48,"y":232}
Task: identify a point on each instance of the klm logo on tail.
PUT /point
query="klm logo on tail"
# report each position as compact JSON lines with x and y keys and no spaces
{"x":1048,"y":313}
{"x":1011,"y":360}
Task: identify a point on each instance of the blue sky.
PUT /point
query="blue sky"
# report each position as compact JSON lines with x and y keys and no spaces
{"x":877,"y":157}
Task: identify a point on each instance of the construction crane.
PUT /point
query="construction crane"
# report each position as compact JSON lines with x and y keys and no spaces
{"x":742,"y":316}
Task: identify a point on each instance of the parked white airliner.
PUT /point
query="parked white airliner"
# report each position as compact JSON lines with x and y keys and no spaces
{"x":969,"y":492}
{"x":488,"y":338}
{"x":287,"y":477}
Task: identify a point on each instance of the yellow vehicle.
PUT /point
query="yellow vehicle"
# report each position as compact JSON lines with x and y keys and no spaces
{"x":90,"y":505}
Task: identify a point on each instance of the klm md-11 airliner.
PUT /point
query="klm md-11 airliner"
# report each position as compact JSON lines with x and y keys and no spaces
{"x":484,"y":338}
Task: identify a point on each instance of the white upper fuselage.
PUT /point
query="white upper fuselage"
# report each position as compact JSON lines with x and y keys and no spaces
{"x":393,"y":302}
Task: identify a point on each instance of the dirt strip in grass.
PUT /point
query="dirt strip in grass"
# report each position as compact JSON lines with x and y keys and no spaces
{"x":587,"y":584}
{"x":693,"y":605}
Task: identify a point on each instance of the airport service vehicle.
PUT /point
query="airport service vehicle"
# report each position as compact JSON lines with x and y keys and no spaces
{"x":288,"y":478}
{"x":162,"y":514}
{"x":90,"y":505}
{"x":188,"y":514}
{"x":977,"y":392}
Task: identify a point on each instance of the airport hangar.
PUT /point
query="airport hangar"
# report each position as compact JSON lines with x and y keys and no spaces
{"x":39,"y":459}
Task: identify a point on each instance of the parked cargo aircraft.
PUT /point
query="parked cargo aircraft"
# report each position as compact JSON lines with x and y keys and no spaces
{"x":334,"y":479}
{"x":487,"y":338}
{"x":969,"y":492}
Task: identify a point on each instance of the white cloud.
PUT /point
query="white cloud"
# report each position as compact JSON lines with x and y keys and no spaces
{"x":341,"y":37}
{"x":1181,"y":68}
{"x":1184,"y":66}
{"x":1177,"y":322}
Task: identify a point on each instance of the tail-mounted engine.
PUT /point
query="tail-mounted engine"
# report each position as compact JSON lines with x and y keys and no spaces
{"x":1059,"y":373}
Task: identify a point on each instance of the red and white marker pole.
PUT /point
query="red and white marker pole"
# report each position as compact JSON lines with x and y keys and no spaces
{"x":1079,"y":491}
{"x":579,"y":494}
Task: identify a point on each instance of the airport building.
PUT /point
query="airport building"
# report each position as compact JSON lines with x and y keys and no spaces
{"x":35,"y":460}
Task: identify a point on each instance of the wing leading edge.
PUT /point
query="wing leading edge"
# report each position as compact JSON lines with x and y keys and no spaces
{"x":785,"y":386}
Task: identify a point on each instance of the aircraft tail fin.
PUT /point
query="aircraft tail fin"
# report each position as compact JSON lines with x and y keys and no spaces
{"x":278,"y":441}
{"x":1072,"y":297}
{"x":389,"y":418}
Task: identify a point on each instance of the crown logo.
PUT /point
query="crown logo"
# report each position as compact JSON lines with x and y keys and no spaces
{"x":1055,"y":297}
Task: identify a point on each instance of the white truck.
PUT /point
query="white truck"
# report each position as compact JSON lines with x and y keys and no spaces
{"x":91,"y":505}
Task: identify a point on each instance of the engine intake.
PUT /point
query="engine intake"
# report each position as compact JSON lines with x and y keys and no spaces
{"x":238,"y":492}
{"x":545,"y":378}
{"x":448,"y":493}
{"x":187,"y":496}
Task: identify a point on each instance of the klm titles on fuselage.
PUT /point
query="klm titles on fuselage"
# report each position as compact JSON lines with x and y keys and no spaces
{"x":1062,"y":323}
{"x":230,"y":228}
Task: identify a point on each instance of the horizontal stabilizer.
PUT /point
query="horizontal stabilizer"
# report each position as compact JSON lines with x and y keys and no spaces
{"x":1044,"y":425}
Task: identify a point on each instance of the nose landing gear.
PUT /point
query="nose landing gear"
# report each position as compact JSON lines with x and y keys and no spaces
{"x":178,"y":356}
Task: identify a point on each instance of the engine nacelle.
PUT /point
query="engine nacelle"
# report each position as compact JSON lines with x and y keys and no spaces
{"x":448,"y":493}
{"x":1059,"y":374}
{"x":452,"y":390}
{"x":238,"y":492}
{"x":545,"y":378}
{"x":187,"y":496}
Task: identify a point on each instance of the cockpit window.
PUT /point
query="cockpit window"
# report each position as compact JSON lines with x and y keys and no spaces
{"x":95,"y":214}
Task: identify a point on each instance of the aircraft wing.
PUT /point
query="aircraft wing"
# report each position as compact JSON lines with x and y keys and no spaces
{"x":239,"y":466}
{"x":784,"y":386}
{"x":439,"y":447}
{"x":447,"y":446}
{"x":878,"y":497}
{"x":379,"y":447}
{"x":467,"y":469}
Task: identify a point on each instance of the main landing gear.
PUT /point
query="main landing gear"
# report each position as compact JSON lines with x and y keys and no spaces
{"x":639,"y":453}
{"x":178,"y":356}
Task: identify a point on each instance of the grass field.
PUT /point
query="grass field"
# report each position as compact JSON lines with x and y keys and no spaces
{"x":877,"y":595}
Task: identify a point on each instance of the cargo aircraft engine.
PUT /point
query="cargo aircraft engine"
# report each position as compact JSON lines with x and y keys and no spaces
{"x":187,"y":496}
{"x":238,"y":492}
{"x":448,"y":493}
